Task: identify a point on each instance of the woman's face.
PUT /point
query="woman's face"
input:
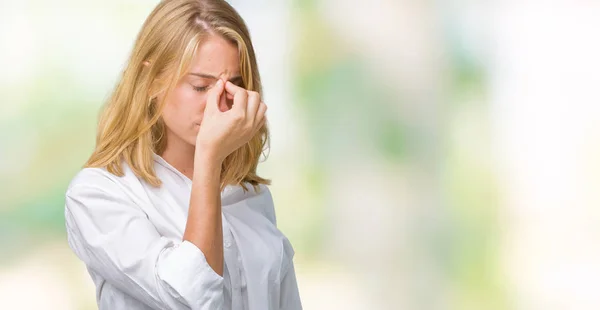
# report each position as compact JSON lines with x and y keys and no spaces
{"x":215,"y":59}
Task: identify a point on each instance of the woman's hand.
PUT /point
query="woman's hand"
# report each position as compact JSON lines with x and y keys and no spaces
{"x":221,"y":133}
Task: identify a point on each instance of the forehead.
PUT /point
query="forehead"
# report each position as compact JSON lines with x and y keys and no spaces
{"x":216,"y":56}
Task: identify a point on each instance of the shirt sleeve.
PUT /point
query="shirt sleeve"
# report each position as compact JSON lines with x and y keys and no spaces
{"x":115,"y":239}
{"x":290,"y":296}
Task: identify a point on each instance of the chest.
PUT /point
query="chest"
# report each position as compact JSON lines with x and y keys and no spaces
{"x":254,"y":249}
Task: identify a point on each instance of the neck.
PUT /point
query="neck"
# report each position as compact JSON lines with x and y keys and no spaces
{"x":180,"y":155}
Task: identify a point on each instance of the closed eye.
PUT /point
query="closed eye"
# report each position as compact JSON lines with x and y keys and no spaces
{"x":200,"y":88}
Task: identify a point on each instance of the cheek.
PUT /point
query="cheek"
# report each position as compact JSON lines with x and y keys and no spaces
{"x":184,"y":107}
{"x":191,"y":102}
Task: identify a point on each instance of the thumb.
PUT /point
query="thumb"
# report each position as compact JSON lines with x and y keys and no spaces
{"x":214,"y":96}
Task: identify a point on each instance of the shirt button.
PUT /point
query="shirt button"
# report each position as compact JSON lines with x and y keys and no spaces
{"x":227,"y":243}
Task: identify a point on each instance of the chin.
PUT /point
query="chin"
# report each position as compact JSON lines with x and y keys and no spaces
{"x":192,"y":137}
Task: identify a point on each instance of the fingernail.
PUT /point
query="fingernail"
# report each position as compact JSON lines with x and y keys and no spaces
{"x":219,"y":82}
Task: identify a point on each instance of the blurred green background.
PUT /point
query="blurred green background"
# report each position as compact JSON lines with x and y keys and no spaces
{"x":424,"y":154}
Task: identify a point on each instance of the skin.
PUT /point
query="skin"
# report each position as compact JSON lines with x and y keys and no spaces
{"x":207,"y":118}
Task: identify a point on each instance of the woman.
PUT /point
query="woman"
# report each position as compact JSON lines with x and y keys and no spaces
{"x":169,"y":213}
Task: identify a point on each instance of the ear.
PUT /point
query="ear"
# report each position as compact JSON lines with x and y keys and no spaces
{"x":157,"y":95}
{"x":146,"y":63}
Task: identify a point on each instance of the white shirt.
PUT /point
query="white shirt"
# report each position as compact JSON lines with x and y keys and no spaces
{"x":129,"y":235}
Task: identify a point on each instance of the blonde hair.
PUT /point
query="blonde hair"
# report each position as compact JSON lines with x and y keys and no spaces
{"x":130,"y":126}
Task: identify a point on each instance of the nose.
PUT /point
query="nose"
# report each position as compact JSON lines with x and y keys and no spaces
{"x":225,"y":103}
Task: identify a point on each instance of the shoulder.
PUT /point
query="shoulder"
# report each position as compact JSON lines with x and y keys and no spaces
{"x":264,"y":191}
{"x":91,"y":178}
{"x":96,"y":195}
{"x":90,"y":181}
{"x":268,"y":205}
{"x":90,"y":186}
{"x":257,"y":198}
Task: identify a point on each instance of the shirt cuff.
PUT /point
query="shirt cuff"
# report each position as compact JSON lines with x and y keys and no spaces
{"x":186,"y":274}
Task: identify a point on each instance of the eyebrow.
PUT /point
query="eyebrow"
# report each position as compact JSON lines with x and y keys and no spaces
{"x":208,"y":76}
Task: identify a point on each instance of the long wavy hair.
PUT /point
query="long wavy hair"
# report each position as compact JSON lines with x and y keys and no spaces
{"x":130,"y":126}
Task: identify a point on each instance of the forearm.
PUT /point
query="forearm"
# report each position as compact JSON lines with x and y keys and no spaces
{"x":204,"y":226}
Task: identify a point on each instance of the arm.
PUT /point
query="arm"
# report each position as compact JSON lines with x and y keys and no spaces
{"x":220,"y":134}
{"x":115,"y":239}
{"x":204,"y":227}
{"x":290,"y":296}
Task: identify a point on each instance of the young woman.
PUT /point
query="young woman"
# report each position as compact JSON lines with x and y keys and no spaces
{"x":168,"y":212}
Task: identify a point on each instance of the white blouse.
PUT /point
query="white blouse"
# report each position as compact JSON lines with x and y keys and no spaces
{"x":129,"y":235}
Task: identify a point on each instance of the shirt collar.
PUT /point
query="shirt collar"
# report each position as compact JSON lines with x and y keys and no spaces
{"x":227,"y":191}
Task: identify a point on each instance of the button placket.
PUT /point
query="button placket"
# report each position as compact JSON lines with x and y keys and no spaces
{"x":232,"y":253}
{"x":229,"y":260}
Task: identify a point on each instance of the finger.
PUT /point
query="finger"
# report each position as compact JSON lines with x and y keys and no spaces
{"x":233,"y":89}
{"x":260,"y":115}
{"x":240,"y":96}
{"x":214,"y":96}
{"x":260,"y":124}
{"x":253,"y":105}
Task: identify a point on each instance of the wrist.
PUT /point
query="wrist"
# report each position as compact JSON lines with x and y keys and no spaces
{"x":207,"y":155}
{"x":207,"y":162}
